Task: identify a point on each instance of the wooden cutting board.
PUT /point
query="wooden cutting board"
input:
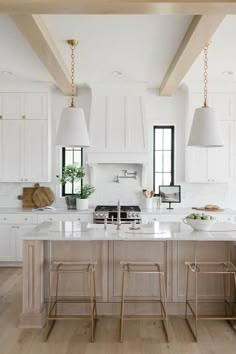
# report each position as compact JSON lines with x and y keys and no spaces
{"x":43,"y":196}
{"x":27,"y":196}
{"x":206,"y":209}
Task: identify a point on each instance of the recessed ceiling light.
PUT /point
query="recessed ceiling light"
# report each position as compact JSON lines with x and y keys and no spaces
{"x":116,"y":73}
{"x":227,"y":73}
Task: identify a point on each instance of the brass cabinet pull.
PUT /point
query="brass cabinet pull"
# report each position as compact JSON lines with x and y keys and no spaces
{"x":1,"y":117}
{"x":24,"y":116}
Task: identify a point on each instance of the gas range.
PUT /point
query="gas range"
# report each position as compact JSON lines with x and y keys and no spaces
{"x":129,"y":213}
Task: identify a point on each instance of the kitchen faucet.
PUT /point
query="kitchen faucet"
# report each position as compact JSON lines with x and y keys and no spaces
{"x":118,"y":223}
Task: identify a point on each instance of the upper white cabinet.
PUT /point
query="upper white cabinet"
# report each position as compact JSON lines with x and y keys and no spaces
{"x":24,"y":147}
{"x":117,"y":121}
{"x":212,"y":165}
{"x":24,"y":105}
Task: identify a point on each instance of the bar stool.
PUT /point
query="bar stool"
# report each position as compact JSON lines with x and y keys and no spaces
{"x":144,"y":268}
{"x":56,"y":269}
{"x":225,"y":269}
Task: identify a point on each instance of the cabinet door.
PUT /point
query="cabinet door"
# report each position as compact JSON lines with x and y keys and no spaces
{"x":36,"y":105}
{"x":196,"y":158}
{"x":220,"y":160}
{"x":7,"y":243}
{"x":36,"y":151}
{"x":13,"y":150}
{"x":12,"y":105}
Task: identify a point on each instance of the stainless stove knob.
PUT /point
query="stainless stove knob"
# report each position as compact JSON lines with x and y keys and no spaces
{"x":101,"y":215}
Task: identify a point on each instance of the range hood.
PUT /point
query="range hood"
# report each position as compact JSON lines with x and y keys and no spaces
{"x":117,"y":126}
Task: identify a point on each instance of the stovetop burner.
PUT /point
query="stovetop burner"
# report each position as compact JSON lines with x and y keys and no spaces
{"x":108,"y":208}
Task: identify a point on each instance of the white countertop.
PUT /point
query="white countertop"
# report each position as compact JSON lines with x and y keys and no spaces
{"x":162,"y":211}
{"x":76,"y":231}
{"x":54,"y":211}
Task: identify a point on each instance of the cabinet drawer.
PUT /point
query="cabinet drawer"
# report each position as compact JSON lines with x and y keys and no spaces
{"x":18,"y":219}
{"x":65,"y":217}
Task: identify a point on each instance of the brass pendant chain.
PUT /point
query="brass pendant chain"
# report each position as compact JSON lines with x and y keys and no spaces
{"x":72,"y":43}
{"x":72,"y":76}
{"x":205,"y":74}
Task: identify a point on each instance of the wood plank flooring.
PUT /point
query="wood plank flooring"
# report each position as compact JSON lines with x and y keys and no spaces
{"x":141,"y":337}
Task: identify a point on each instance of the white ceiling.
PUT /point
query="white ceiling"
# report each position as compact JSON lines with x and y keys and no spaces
{"x":140,"y":46}
{"x":221,"y":54}
{"x":17,"y":56}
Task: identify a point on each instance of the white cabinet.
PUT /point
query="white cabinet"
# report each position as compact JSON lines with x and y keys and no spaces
{"x":13,"y":149}
{"x":24,"y":105}
{"x":207,"y":165}
{"x":24,"y":147}
{"x":36,"y":162}
{"x":65,"y":217}
{"x":25,"y":151}
{"x":7,"y":243}
{"x":12,"y":105}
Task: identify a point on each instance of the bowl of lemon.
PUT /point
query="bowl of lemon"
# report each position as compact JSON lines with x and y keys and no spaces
{"x":200,"y":222}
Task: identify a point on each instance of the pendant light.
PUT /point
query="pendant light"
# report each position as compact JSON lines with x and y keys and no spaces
{"x":72,"y":129}
{"x":205,"y":131}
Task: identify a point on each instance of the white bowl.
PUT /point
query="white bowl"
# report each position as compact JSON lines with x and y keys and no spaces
{"x":200,"y":225}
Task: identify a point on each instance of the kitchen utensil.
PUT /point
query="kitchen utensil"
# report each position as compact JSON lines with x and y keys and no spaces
{"x":43,"y":196}
{"x":27,"y":196}
{"x":206,"y":209}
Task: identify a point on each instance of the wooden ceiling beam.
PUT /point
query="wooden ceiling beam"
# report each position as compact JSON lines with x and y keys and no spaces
{"x":197,"y":36}
{"x":197,"y":7}
{"x":37,"y":35}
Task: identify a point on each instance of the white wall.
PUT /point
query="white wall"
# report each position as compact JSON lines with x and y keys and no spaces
{"x":159,"y":110}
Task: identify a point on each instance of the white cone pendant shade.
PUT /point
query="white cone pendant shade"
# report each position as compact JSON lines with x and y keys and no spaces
{"x":205,"y":131}
{"x":72,"y":129}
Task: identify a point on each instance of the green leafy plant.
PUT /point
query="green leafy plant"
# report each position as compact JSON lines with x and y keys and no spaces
{"x":86,"y":191}
{"x":71,"y":173}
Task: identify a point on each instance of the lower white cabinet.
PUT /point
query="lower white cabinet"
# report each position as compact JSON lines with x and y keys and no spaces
{"x":11,"y":242}
{"x":7,"y":243}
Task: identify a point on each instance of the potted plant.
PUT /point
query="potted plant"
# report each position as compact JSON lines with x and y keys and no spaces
{"x":82,"y":201}
{"x":71,"y":174}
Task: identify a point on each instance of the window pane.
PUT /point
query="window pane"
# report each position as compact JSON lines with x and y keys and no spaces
{"x":158,"y":161}
{"x":77,"y":157}
{"x":71,"y":156}
{"x":158,"y":139}
{"x":68,"y":188}
{"x":158,"y":182}
{"x":68,"y":157}
{"x":167,"y":139}
{"x":167,"y":161}
{"x":167,"y":178}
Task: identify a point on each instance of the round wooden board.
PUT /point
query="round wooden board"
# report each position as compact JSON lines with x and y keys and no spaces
{"x":43,"y":196}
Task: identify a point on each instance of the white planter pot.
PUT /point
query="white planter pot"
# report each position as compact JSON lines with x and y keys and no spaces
{"x":82,"y":204}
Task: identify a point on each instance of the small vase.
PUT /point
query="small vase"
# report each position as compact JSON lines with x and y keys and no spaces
{"x":82,"y":204}
{"x":71,"y":202}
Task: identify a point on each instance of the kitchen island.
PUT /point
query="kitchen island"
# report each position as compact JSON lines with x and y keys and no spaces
{"x":171,"y":244}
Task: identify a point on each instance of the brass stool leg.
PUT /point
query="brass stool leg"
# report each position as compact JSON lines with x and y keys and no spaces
{"x":225,"y":295}
{"x":196,"y":304}
{"x":94,"y":293}
{"x":91,"y":304}
{"x":122,"y":305}
{"x":165,"y":306}
{"x":159,"y":274}
{"x":49,"y":326}
{"x":186,"y":302}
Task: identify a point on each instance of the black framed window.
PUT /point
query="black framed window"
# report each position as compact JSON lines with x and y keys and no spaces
{"x":163,"y":156}
{"x":71,"y":156}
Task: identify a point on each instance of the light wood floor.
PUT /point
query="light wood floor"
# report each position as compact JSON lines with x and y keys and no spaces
{"x":215,"y":337}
